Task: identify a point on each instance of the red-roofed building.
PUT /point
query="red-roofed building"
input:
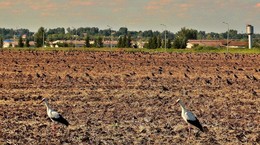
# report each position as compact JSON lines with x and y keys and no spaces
{"x":217,"y":43}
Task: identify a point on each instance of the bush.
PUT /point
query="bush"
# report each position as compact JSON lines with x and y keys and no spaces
{"x":204,"y":48}
{"x":180,"y":43}
{"x":63,"y":44}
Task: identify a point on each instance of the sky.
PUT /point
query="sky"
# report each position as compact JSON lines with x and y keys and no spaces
{"x":136,"y":15}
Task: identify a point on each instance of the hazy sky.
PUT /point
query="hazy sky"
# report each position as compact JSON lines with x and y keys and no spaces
{"x":206,"y":15}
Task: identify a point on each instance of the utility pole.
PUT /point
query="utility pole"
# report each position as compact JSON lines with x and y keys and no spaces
{"x":75,"y":37}
{"x":15,"y":34}
{"x":43,"y":38}
{"x":3,"y":33}
{"x":110,"y":36}
{"x":164,"y":36}
{"x":227,"y":34}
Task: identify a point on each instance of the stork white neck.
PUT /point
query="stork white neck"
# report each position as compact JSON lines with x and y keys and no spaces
{"x":182,"y":105}
{"x":47,"y":105}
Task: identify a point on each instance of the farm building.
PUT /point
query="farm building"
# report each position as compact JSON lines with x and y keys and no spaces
{"x":217,"y":43}
{"x":57,"y":43}
{"x":11,"y":43}
{"x":8,"y":43}
{"x":108,"y":43}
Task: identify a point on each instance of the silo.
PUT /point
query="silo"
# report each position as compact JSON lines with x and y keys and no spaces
{"x":250,"y":32}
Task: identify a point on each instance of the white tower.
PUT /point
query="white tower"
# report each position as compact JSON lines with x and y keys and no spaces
{"x":250,"y":31}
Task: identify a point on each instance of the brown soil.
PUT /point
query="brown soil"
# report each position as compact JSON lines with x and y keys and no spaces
{"x":128,"y":98}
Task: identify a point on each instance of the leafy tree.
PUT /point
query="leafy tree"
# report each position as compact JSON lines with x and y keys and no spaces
{"x":27,"y":42}
{"x":106,"y":32}
{"x":38,"y":37}
{"x":9,"y":33}
{"x":122,"y":31}
{"x":146,"y":45}
{"x":124,"y":41}
{"x":179,"y":43}
{"x":98,"y":42}
{"x":148,"y":33}
{"x":233,"y":34}
{"x":128,"y":41}
{"x":1,"y":42}
{"x":183,"y":36}
{"x":87,"y":42}
{"x":56,"y":31}
{"x":159,"y":42}
{"x":256,"y":43}
{"x":94,"y":31}
{"x":67,"y":36}
{"x":201,"y":35}
{"x":152,"y":43}
{"x":211,"y":36}
{"x":95,"y":43}
{"x":120,"y":42}
{"x":163,"y":43}
{"x":20,"y":42}
{"x":168,"y":44}
{"x":149,"y":45}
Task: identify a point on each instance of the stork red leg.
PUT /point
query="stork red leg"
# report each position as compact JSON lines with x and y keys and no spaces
{"x":53,"y":129}
{"x":189,"y":130}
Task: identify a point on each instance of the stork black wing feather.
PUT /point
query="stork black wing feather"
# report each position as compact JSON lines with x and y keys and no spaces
{"x":196,"y":123}
{"x":61,"y":120}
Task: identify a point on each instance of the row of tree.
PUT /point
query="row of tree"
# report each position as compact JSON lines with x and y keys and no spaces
{"x":124,"y":42}
{"x":124,"y":37}
{"x":81,"y":33}
{"x":22,"y":43}
{"x":70,"y":33}
{"x":180,"y":40}
{"x":39,"y":39}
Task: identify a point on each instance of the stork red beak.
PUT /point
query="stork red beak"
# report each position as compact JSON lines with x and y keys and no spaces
{"x":42,"y":100}
{"x":177,"y":102}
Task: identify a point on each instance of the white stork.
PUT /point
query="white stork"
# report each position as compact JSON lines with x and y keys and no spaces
{"x":189,"y":117}
{"x":53,"y":115}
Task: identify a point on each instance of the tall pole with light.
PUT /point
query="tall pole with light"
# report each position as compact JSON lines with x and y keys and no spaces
{"x":15,"y":35}
{"x":43,"y":38}
{"x":164,"y":36}
{"x":110,"y":35}
{"x":227,"y":33}
{"x":75,"y":37}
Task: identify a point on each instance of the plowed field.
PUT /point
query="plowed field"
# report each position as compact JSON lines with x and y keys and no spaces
{"x":128,"y":98}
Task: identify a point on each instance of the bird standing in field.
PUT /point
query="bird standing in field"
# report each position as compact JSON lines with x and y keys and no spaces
{"x":53,"y":115}
{"x":189,"y":117}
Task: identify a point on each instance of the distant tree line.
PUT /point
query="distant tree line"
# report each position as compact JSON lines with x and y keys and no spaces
{"x":14,"y":33}
{"x":153,"y":39}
